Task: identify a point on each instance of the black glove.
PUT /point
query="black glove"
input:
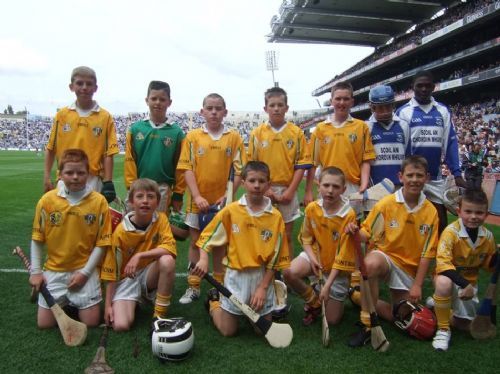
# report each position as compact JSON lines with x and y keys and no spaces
{"x":108,"y":191}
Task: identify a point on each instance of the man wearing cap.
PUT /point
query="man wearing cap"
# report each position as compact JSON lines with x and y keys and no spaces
{"x":389,"y":135}
{"x":432,"y":135}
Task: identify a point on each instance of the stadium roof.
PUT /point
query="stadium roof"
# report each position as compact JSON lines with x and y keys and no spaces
{"x":355,"y":22}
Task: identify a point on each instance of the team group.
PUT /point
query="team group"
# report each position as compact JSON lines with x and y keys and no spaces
{"x":250,"y":240}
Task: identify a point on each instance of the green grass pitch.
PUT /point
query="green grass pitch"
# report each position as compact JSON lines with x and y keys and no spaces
{"x":25,"y":349}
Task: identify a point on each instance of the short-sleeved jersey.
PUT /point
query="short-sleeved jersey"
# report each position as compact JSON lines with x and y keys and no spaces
{"x":327,"y":233}
{"x":210,"y":159}
{"x":284,"y":150}
{"x":152,"y":152}
{"x":405,"y":235}
{"x":127,"y":241}
{"x":456,"y":251}
{"x":345,"y":147}
{"x":390,"y":142}
{"x":432,"y":135}
{"x":71,"y":232}
{"x":94,"y":134}
{"x":253,"y":239}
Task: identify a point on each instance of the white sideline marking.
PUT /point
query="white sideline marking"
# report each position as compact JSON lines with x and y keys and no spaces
{"x":178,"y":275}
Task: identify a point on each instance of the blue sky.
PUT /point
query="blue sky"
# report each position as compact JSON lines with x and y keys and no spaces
{"x":198,"y":46}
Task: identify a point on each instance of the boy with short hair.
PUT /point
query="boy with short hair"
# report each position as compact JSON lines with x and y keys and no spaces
{"x":153,"y":148}
{"x":344,"y":142}
{"x":207,"y":155}
{"x":254,"y":233}
{"x":282,"y":146}
{"x":87,"y":126}
{"x":73,"y":222}
{"x":141,"y":262}
{"x":327,"y":249}
{"x":464,"y":247}
{"x":403,"y":230}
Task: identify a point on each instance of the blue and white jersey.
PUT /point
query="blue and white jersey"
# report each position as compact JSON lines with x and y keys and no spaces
{"x":432,"y":135}
{"x":390,"y":143}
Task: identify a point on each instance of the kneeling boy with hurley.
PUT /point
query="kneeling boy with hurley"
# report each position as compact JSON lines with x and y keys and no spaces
{"x":254,"y":232}
{"x":141,"y":260}
{"x":464,"y":247}
{"x":74,"y":223}
{"x":327,"y":249}
{"x":403,"y":230}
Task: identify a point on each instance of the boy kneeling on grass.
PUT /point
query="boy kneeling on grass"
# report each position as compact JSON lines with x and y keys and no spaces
{"x":254,"y":232}
{"x":73,"y":222}
{"x":464,"y":247}
{"x":141,"y":262}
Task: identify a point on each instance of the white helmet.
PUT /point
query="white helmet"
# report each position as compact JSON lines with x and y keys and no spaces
{"x":172,"y":339}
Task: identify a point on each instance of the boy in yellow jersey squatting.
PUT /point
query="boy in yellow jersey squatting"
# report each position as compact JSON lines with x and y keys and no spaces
{"x":73,"y":222}
{"x":207,"y":155}
{"x":254,"y":233}
{"x":86,"y":126}
{"x":141,"y":260}
{"x":282,"y":146}
{"x":327,"y":249}
{"x":344,"y":142}
{"x":402,"y":228}
{"x":153,"y":148}
{"x":464,"y":247}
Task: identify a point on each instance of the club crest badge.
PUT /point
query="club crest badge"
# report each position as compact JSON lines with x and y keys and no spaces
{"x":399,"y":138}
{"x":156,"y":238}
{"x":313,"y":224}
{"x":66,"y":128}
{"x":167,"y":142}
{"x":97,"y":131}
{"x":290,"y":143}
{"x":89,"y":218}
{"x":200,"y":151}
{"x":55,"y":218}
{"x":352,"y":138}
{"x":393,"y":224}
{"x":130,"y":251}
{"x":266,"y":235}
{"x":335,"y":236}
{"x":424,"y":229}
{"x":264,"y":144}
{"x":234,"y":228}
{"x":229,"y":151}
{"x":139,"y":136}
{"x":327,"y":140}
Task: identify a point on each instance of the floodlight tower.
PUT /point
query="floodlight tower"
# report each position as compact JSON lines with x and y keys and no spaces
{"x":272,"y":64}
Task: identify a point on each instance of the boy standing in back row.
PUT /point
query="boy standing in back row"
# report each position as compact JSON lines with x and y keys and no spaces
{"x":282,"y":146}
{"x":86,"y":126}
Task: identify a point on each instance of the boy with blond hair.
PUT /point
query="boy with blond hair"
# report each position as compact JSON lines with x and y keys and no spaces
{"x":253,"y":231}
{"x":208,"y":153}
{"x":86,"y":126}
{"x":282,"y":146}
{"x":465,"y":246}
{"x":73,"y":222}
{"x":327,"y":249}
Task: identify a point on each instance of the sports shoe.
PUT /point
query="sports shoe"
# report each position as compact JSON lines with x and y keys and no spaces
{"x":311,"y":314}
{"x":212,"y":295}
{"x":429,"y":302}
{"x":190,"y":295}
{"x":441,"y":340}
{"x":360,"y":338}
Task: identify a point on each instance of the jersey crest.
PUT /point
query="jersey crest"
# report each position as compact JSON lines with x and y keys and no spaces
{"x":352,"y":137}
{"x":229,"y":151}
{"x":266,"y":235}
{"x":139,"y":136}
{"x":55,"y":218}
{"x":290,"y":143}
{"x":167,"y":142}
{"x":424,"y":229}
{"x":97,"y":131}
{"x":66,"y":128}
{"x":89,"y":218}
{"x":393,"y":224}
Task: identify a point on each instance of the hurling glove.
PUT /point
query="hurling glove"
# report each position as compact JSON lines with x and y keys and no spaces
{"x":108,"y":190}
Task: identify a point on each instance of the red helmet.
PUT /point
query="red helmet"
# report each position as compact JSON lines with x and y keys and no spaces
{"x":416,"y":320}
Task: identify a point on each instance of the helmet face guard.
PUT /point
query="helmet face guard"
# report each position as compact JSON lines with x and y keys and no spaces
{"x":172,"y":339}
{"x":281,"y":310}
{"x":415,"y":319}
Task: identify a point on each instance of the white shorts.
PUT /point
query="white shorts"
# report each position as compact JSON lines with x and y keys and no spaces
{"x":291,"y":211}
{"x":192,"y":220}
{"x":57,"y":284}
{"x":397,"y":279}
{"x":340,"y":287}
{"x":464,"y":308}
{"x":434,"y":190}
{"x":243,"y":283}
{"x":135,"y":289}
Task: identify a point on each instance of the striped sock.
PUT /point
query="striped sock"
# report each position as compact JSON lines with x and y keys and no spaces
{"x":219,"y":277}
{"x":162,"y":303}
{"x":194,"y":281}
{"x":310,"y":297}
{"x":365,"y":319}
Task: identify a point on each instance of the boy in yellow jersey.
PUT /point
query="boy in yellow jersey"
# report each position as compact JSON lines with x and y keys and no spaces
{"x":464,"y":247}
{"x":141,"y":262}
{"x":73,"y":222}
{"x":344,"y":142}
{"x":327,"y":249}
{"x":402,"y":228}
{"x":153,"y":148}
{"x":207,"y":155}
{"x":254,"y":233}
{"x":282,"y":146}
{"x":86,"y":126}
